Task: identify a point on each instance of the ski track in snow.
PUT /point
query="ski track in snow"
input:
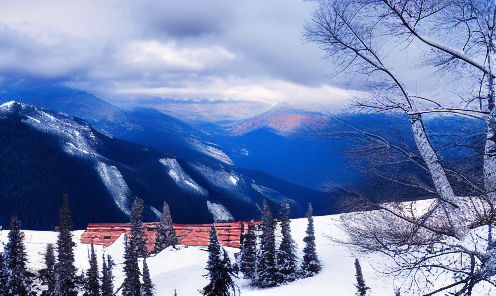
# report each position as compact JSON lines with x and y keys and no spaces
{"x":181,"y":178}
{"x":209,"y":149}
{"x":226,"y":181}
{"x":219,"y":212}
{"x":116,"y":185}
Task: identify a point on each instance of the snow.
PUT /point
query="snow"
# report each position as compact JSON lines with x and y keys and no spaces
{"x":78,"y":139}
{"x":272,"y":194}
{"x":210,"y":150}
{"x":220,"y":212}
{"x":116,"y":186}
{"x":229,"y":182}
{"x":180,"y":177}
{"x":183,"y":268}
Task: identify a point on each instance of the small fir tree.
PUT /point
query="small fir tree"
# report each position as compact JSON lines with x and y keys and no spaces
{"x":166,"y":235}
{"x":15,"y":260}
{"x":47,"y":274}
{"x":266,"y":272}
{"x":360,"y":285}
{"x":65,"y":271}
{"x":286,"y":255}
{"x":131,"y":285}
{"x":147,"y":287}
{"x":135,"y":247}
{"x":107,"y":277}
{"x":93,"y":282}
{"x":248,"y":259}
{"x":311,"y":264}
{"x":3,"y":275}
{"x":219,"y":270}
{"x":138,"y":229}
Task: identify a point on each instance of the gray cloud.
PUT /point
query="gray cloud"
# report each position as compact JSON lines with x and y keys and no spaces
{"x":189,"y":49}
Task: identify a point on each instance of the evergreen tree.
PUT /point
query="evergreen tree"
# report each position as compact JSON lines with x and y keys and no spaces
{"x":65,"y":271}
{"x":3,"y":276}
{"x":360,"y":285}
{"x":242,"y":234}
{"x":166,"y":235}
{"x":47,"y":274}
{"x":249,"y":253}
{"x":107,"y":277}
{"x":15,"y":260}
{"x":286,"y":255}
{"x":137,"y":228}
{"x":175,"y":292}
{"x":135,"y":247}
{"x":147,"y":288}
{"x":311,"y":264}
{"x":219,"y":270}
{"x":266,"y":272}
{"x":92,"y":284}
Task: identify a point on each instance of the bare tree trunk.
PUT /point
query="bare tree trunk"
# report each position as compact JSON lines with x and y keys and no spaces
{"x":438,"y":175}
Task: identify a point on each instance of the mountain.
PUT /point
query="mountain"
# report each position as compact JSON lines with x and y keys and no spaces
{"x":46,"y":154}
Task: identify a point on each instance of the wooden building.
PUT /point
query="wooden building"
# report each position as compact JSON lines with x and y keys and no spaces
{"x":105,"y":234}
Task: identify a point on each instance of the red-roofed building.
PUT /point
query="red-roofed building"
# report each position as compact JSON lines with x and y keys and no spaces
{"x":105,"y":234}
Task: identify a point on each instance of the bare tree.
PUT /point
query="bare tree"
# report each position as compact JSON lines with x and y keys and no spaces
{"x":450,"y":42}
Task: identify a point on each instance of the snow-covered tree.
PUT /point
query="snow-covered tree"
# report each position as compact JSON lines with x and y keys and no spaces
{"x":147,"y":288}
{"x":311,"y":263}
{"x":166,"y":235}
{"x":395,"y":45}
{"x":248,"y":256}
{"x":107,"y":276}
{"x":286,"y":255}
{"x":92,"y":276}
{"x":219,"y":269}
{"x":47,"y":274}
{"x":135,"y":247}
{"x":15,"y":260}
{"x":360,"y":285}
{"x":266,"y":272}
{"x":137,"y":234}
{"x":65,"y":271}
{"x":3,"y":276}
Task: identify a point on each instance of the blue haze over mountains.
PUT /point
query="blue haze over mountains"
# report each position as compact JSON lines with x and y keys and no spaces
{"x":312,"y":162}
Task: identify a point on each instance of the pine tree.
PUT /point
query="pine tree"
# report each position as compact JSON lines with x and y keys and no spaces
{"x":166,"y":235}
{"x":249,"y":253}
{"x":15,"y":260}
{"x":175,"y":292}
{"x":93,"y":284}
{"x":286,"y":255}
{"x":107,"y":277}
{"x":65,"y":271}
{"x":135,"y":247}
{"x":219,"y":270}
{"x":47,"y":274}
{"x":147,"y":287}
{"x":360,"y":285}
{"x":3,"y":275}
{"x":137,"y":228}
{"x":266,"y":272}
{"x":311,"y":264}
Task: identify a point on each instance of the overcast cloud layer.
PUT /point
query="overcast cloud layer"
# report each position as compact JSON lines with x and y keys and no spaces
{"x":242,"y":50}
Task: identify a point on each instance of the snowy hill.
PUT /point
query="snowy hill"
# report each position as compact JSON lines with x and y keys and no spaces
{"x":183,"y":269}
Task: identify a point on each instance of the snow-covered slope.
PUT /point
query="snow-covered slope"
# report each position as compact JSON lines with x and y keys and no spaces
{"x":183,"y":269}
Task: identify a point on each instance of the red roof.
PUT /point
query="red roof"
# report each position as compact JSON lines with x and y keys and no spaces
{"x":106,"y":234}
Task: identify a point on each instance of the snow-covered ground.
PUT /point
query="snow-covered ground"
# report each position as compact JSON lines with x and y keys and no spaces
{"x":183,"y":269}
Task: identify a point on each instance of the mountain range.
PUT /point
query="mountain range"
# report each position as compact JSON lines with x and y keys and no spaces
{"x":58,"y":140}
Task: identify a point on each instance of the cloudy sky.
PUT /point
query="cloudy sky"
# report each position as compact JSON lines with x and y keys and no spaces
{"x":194,"y":49}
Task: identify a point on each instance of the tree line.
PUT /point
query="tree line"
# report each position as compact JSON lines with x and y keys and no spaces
{"x":259,"y":260}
